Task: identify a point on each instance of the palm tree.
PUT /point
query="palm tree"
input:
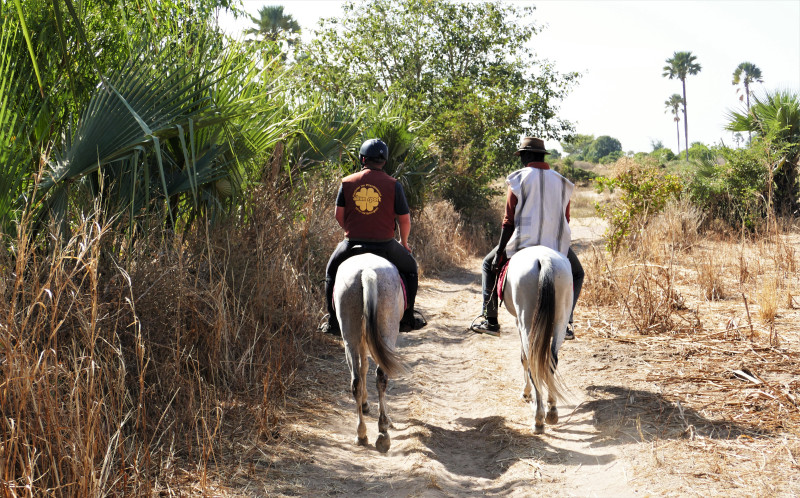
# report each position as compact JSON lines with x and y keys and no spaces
{"x":271,"y":23}
{"x":747,"y":73}
{"x":673,"y":104}
{"x":681,"y":65}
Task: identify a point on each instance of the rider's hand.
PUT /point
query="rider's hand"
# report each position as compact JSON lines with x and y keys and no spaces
{"x":497,"y":260}
{"x":405,"y":244}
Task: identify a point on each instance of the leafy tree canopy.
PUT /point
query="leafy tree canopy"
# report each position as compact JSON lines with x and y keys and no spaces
{"x":553,"y":154}
{"x":577,"y":144}
{"x":602,"y":147}
{"x":746,"y":73}
{"x":272,"y":24}
{"x":463,"y":68}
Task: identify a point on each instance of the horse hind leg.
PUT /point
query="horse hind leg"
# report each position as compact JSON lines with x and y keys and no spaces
{"x":526,"y":384}
{"x":384,"y":441}
{"x":552,"y":411}
{"x":364,"y":368}
{"x":358,"y":372}
{"x":539,"y":416}
{"x":357,"y":387}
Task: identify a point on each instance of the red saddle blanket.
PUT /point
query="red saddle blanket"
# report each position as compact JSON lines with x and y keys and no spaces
{"x":402,"y":286}
{"x":501,"y":281}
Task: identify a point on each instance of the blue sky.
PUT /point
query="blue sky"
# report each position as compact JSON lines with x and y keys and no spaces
{"x":621,"y":46}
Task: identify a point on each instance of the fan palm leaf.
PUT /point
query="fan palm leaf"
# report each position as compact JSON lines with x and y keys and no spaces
{"x":166,"y":130}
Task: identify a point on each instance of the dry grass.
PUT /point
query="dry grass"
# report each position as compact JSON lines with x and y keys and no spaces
{"x":710,"y":272}
{"x":712,"y":322}
{"x":119,"y":363}
{"x":767,"y":298}
{"x":440,"y":239}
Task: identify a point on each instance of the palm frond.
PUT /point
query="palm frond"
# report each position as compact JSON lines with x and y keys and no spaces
{"x":15,"y":152}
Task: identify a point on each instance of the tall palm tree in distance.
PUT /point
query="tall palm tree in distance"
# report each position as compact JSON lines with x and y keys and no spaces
{"x":681,"y":65}
{"x":747,"y":73}
{"x":674,"y":104}
{"x":271,"y":23}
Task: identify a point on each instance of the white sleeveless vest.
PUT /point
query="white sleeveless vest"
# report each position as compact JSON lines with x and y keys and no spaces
{"x":540,"y":216}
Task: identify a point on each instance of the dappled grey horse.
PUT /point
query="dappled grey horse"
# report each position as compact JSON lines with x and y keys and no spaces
{"x":538,"y":292}
{"x":368,"y":297}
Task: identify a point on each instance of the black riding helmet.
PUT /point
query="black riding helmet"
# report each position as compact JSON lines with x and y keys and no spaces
{"x":374,"y":149}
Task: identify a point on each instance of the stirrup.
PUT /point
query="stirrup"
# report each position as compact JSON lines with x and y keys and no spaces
{"x":326,"y":328}
{"x":483,"y":327}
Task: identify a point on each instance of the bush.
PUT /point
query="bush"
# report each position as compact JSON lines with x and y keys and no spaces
{"x":663,"y":155}
{"x":612,"y":157}
{"x":700,"y":152}
{"x":573,"y":173}
{"x":733,"y":191}
{"x":645,"y":191}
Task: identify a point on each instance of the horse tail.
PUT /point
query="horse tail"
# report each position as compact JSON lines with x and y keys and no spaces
{"x":543,"y":366}
{"x":384,"y":356}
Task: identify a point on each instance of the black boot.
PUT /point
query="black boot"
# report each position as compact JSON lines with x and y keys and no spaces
{"x":332,"y":327}
{"x":411,"y":322}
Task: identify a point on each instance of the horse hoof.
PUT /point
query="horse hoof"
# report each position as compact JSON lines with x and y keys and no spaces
{"x":538,"y":429}
{"x":362,"y":441}
{"x":527,"y":397}
{"x":365,"y":407}
{"x":383,"y":442}
{"x":552,"y":417}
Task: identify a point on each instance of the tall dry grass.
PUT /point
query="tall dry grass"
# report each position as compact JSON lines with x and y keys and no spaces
{"x":641,"y":279}
{"x":121,"y":359}
{"x":441,"y":239}
{"x":674,"y":266}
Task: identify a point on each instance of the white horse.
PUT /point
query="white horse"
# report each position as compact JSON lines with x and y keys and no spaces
{"x":538,"y":292}
{"x":368,"y":296}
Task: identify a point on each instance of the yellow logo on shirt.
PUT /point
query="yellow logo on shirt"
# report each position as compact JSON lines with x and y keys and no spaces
{"x":367,"y":199}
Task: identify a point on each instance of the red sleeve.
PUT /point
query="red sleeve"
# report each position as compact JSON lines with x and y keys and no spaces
{"x":511,"y":206}
{"x":569,"y":203}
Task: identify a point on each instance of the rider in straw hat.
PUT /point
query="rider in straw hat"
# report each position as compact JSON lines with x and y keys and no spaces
{"x":537,"y":213}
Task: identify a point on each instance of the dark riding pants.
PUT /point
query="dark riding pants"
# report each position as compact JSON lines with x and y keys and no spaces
{"x":392,"y":250}
{"x":489,"y":280}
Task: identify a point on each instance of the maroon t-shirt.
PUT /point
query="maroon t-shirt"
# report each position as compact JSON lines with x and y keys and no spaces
{"x":369,"y":205}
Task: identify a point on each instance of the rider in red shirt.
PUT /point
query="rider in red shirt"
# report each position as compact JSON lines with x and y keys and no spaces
{"x":367,"y":206}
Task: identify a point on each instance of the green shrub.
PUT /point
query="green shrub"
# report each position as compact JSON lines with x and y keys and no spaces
{"x":645,"y":191}
{"x":602,"y":147}
{"x":700,"y":152}
{"x":733,"y":191}
{"x":573,"y":173}
{"x":663,"y":155}
{"x":612,"y":157}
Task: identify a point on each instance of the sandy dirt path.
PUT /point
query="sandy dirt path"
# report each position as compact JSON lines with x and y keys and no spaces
{"x":460,"y":427}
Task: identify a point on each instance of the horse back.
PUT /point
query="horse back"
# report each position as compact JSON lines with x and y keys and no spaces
{"x":368,"y":297}
{"x":525,"y":266}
